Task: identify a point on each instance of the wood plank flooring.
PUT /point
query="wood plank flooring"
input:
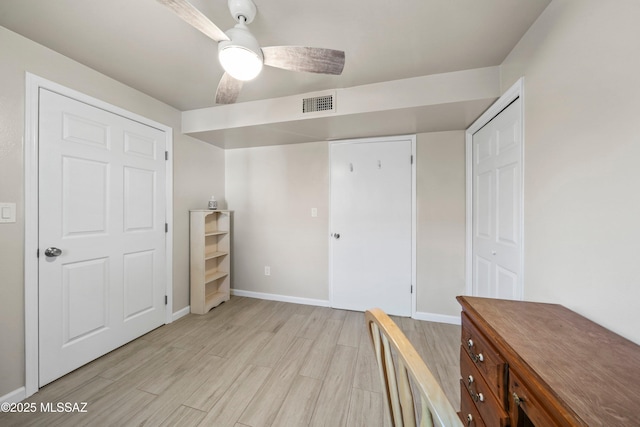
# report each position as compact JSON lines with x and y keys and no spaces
{"x":247,"y":363}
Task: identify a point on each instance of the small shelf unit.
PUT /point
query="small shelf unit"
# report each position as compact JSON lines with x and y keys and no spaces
{"x":210,"y":259}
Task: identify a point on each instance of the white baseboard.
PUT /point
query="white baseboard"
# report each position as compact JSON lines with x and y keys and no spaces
{"x":429,"y":317}
{"x":283,"y":298}
{"x":181,"y":313}
{"x":439,"y":318}
{"x":15,"y":396}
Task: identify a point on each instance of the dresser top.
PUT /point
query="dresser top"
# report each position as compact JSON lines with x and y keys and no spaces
{"x":590,"y":372}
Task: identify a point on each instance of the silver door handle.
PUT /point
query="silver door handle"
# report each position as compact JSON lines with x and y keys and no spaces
{"x":52,"y":252}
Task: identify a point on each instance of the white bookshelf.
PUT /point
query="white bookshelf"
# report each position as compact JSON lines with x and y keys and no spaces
{"x":210,"y":259}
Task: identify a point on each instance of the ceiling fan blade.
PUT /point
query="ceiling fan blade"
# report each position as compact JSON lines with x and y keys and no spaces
{"x":228,"y":90}
{"x":307,"y":59}
{"x":195,"y":18}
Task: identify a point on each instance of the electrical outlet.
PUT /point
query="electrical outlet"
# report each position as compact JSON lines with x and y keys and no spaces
{"x":314,"y":212}
{"x":267,"y":270}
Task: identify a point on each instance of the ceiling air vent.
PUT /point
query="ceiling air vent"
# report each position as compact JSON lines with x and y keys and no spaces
{"x":319,"y":103}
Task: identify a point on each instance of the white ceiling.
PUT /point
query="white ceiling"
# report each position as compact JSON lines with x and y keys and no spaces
{"x":144,"y":45}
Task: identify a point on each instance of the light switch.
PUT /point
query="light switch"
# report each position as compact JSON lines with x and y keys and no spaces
{"x":7,"y":212}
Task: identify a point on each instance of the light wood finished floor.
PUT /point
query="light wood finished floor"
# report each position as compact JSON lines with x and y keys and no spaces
{"x":246,"y":363}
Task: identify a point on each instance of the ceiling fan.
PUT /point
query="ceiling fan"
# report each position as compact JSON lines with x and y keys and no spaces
{"x":242,"y":57}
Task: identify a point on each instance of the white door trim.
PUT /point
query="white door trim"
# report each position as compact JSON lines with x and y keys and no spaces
{"x":514,"y":92}
{"x":33,"y":85}
{"x":412,"y":138}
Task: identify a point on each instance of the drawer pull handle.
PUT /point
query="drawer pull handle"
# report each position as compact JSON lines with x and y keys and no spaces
{"x":517,"y":399}
{"x":476,"y":357}
{"x":469,"y":419}
{"x":477,"y":397}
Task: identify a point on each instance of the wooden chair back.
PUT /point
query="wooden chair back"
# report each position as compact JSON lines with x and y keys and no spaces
{"x":431,"y":407}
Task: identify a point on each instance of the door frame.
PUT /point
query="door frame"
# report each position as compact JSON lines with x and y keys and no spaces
{"x":514,"y":92}
{"x":411,"y":138}
{"x":31,"y":194}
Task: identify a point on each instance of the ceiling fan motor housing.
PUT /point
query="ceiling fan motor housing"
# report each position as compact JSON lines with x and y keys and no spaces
{"x":242,"y":10}
{"x":241,"y":37}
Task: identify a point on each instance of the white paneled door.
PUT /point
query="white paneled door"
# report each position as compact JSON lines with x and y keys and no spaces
{"x":497,"y":205}
{"x":371,"y":225}
{"x":101,"y":232}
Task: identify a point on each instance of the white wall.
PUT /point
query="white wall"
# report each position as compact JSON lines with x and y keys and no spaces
{"x":20,"y":55}
{"x":582,"y":150}
{"x":272,"y":190}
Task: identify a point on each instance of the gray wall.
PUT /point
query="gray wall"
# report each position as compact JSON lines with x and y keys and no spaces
{"x":441,"y":222}
{"x":272,"y":190}
{"x":582,"y":204}
{"x":20,"y":55}
{"x":198,"y":174}
{"x":582,"y":181}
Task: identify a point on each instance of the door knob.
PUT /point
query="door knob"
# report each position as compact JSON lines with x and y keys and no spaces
{"x":336,"y":235}
{"x":52,"y":252}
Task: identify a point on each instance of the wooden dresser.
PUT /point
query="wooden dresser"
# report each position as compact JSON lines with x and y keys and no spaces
{"x":533,"y":364}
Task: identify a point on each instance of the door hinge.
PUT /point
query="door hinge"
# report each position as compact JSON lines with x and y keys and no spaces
{"x":412,"y":159}
{"x":166,"y":155}
{"x":37,"y":253}
{"x":411,"y":288}
{"x":166,"y":227}
{"x":166,"y":300}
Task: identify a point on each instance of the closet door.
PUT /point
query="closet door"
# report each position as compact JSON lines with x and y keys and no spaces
{"x":371,"y":224}
{"x":497,"y":201}
{"x":101,"y":232}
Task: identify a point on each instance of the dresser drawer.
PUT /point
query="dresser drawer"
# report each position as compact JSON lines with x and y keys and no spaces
{"x":492,"y":411}
{"x":468,"y":412}
{"x":524,"y":408}
{"x":489,"y":363}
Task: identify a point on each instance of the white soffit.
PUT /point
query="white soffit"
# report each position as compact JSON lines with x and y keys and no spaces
{"x":449,"y":101}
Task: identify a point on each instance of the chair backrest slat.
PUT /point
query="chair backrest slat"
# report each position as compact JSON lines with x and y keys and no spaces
{"x":432,"y":407}
{"x":406,"y":395}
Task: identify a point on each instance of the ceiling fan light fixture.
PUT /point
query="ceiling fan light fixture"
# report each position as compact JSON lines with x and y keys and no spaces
{"x":242,"y":64}
{"x":241,"y":57}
